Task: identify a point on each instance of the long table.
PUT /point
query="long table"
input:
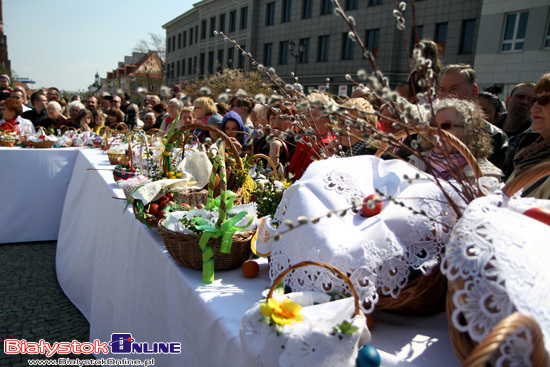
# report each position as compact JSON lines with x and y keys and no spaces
{"x":33,"y":187}
{"x":117,"y":272}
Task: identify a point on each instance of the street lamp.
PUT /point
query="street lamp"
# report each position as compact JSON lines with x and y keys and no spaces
{"x":291,"y":49}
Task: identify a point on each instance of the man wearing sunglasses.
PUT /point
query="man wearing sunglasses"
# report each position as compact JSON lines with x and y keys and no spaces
{"x":460,"y":81}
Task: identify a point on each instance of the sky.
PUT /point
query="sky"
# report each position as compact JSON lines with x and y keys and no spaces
{"x":63,"y":43}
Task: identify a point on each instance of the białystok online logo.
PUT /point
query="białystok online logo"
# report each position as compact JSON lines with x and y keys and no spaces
{"x":121,"y":343}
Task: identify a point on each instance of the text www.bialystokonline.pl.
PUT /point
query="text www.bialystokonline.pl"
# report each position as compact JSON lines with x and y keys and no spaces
{"x":91,"y":362}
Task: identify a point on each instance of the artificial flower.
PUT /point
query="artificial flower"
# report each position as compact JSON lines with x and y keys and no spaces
{"x":282,"y":313}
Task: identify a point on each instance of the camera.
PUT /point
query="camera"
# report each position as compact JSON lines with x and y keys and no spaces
{"x":5,"y":94}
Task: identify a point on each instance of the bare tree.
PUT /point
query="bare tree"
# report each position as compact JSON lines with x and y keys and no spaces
{"x":155,"y":43}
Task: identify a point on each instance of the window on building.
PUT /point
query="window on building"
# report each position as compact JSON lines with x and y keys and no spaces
{"x":287,"y":11}
{"x":190,"y":36}
{"x":196,"y":33}
{"x":201,"y":64}
{"x":203,"y":29}
{"x":189,"y":66}
{"x":466,"y":45}
{"x":440,"y":36}
{"x":375,"y":2}
{"x":270,"y":14}
{"x":179,"y":41}
{"x":326,"y":7}
{"x":178,"y":68}
{"x":212,"y":26}
{"x":347,"y":47}
{"x":283,"y":52}
{"x":232,"y":21}
{"x":307,"y":9}
{"x":211,"y":62}
{"x":322,"y":48}
{"x":222,"y":22}
{"x":172,"y":70}
{"x":219,"y":60}
{"x":230,"y":53}
{"x":184,"y":38}
{"x":173,"y":43}
{"x":303,"y":56}
{"x":183,"y":67}
{"x":514,"y":31}
{"x":372,"y":37}
{"x":195,"y":64}
{"x":241,"y":59}
{"x":268,"y":54}
{"x":169,"y":46}
{"x":547,"y":40}
{"x":351,"y":4}
{"x":244,"y":17}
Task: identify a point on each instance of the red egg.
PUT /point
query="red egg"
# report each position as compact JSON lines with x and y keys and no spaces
{"x":372,"y":205}
{"x":540,"y":214}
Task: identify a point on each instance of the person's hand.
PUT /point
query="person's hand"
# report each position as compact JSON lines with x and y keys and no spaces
{"x":236,"y":143}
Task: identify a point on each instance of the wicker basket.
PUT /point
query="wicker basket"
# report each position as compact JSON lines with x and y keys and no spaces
{"x":124,"y":172}
{"x":463,"y":345}
{"x":42,"y":144}
{"x":185,"y":249}
{"x":117,"y":158}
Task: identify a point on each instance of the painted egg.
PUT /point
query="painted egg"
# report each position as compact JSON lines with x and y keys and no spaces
{"x":368,"y":357}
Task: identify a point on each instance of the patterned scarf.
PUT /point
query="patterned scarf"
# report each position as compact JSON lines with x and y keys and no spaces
{"x":532,"y":154}
{"x":441,"y":165}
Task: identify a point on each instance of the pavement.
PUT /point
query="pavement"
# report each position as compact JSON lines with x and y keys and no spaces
{"x":32,"y":304}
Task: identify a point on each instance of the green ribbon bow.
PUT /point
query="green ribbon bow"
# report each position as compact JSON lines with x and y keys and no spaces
{"x":226,"y":231}
{"x":214,"y":204}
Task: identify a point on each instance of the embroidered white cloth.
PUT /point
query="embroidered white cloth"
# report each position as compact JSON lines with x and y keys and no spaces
{"x":502,"y":257}
{"x":310,"y":342}
{"x":377,"y":252}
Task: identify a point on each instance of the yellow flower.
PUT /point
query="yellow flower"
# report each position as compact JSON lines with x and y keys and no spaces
{"x":178,"y":174}
{"x":282,"y":313}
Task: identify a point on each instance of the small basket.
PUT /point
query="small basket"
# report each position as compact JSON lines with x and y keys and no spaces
{"x":117,"y":158}
{"x":42,"y":144}
{"x":124,"y":172}
{"x":185,"y":249}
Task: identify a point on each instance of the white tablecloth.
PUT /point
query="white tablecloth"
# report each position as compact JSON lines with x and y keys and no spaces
{"x":33,"y":187}
{"x":117,"y":272}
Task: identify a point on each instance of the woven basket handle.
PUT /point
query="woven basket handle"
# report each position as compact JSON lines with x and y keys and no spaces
{"x":526,"y":178}
{"x":271,"y":163}
{"x":493,"y":341}
{"x":332,"y":268}
{"x":463,"y":149}
{"x":217,"y":131}
{"x":155,"y":131}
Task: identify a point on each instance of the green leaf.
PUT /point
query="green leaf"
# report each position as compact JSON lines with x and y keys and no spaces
{"x":346,"y":328}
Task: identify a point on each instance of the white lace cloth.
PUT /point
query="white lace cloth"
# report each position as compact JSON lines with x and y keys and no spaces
{"x":502,"y":256}
{"x":376,"y":252}
{"x":310,"y":342}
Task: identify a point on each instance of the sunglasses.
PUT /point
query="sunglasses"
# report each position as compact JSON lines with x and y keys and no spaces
{"x":447,"y":125}
{"x":542,"y":100}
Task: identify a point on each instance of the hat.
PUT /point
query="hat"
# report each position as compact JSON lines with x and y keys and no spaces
{"x":176,"y":88}
{"x":216,"y":120}
{"x":6,"y":77}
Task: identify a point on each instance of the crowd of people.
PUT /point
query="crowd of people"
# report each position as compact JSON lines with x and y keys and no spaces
{"x":506,"y":137}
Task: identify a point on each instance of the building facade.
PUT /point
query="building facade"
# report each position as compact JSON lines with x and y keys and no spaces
{"x":139,"y":72}
{"x":306,"y":37}
{"x":514,"y":42}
